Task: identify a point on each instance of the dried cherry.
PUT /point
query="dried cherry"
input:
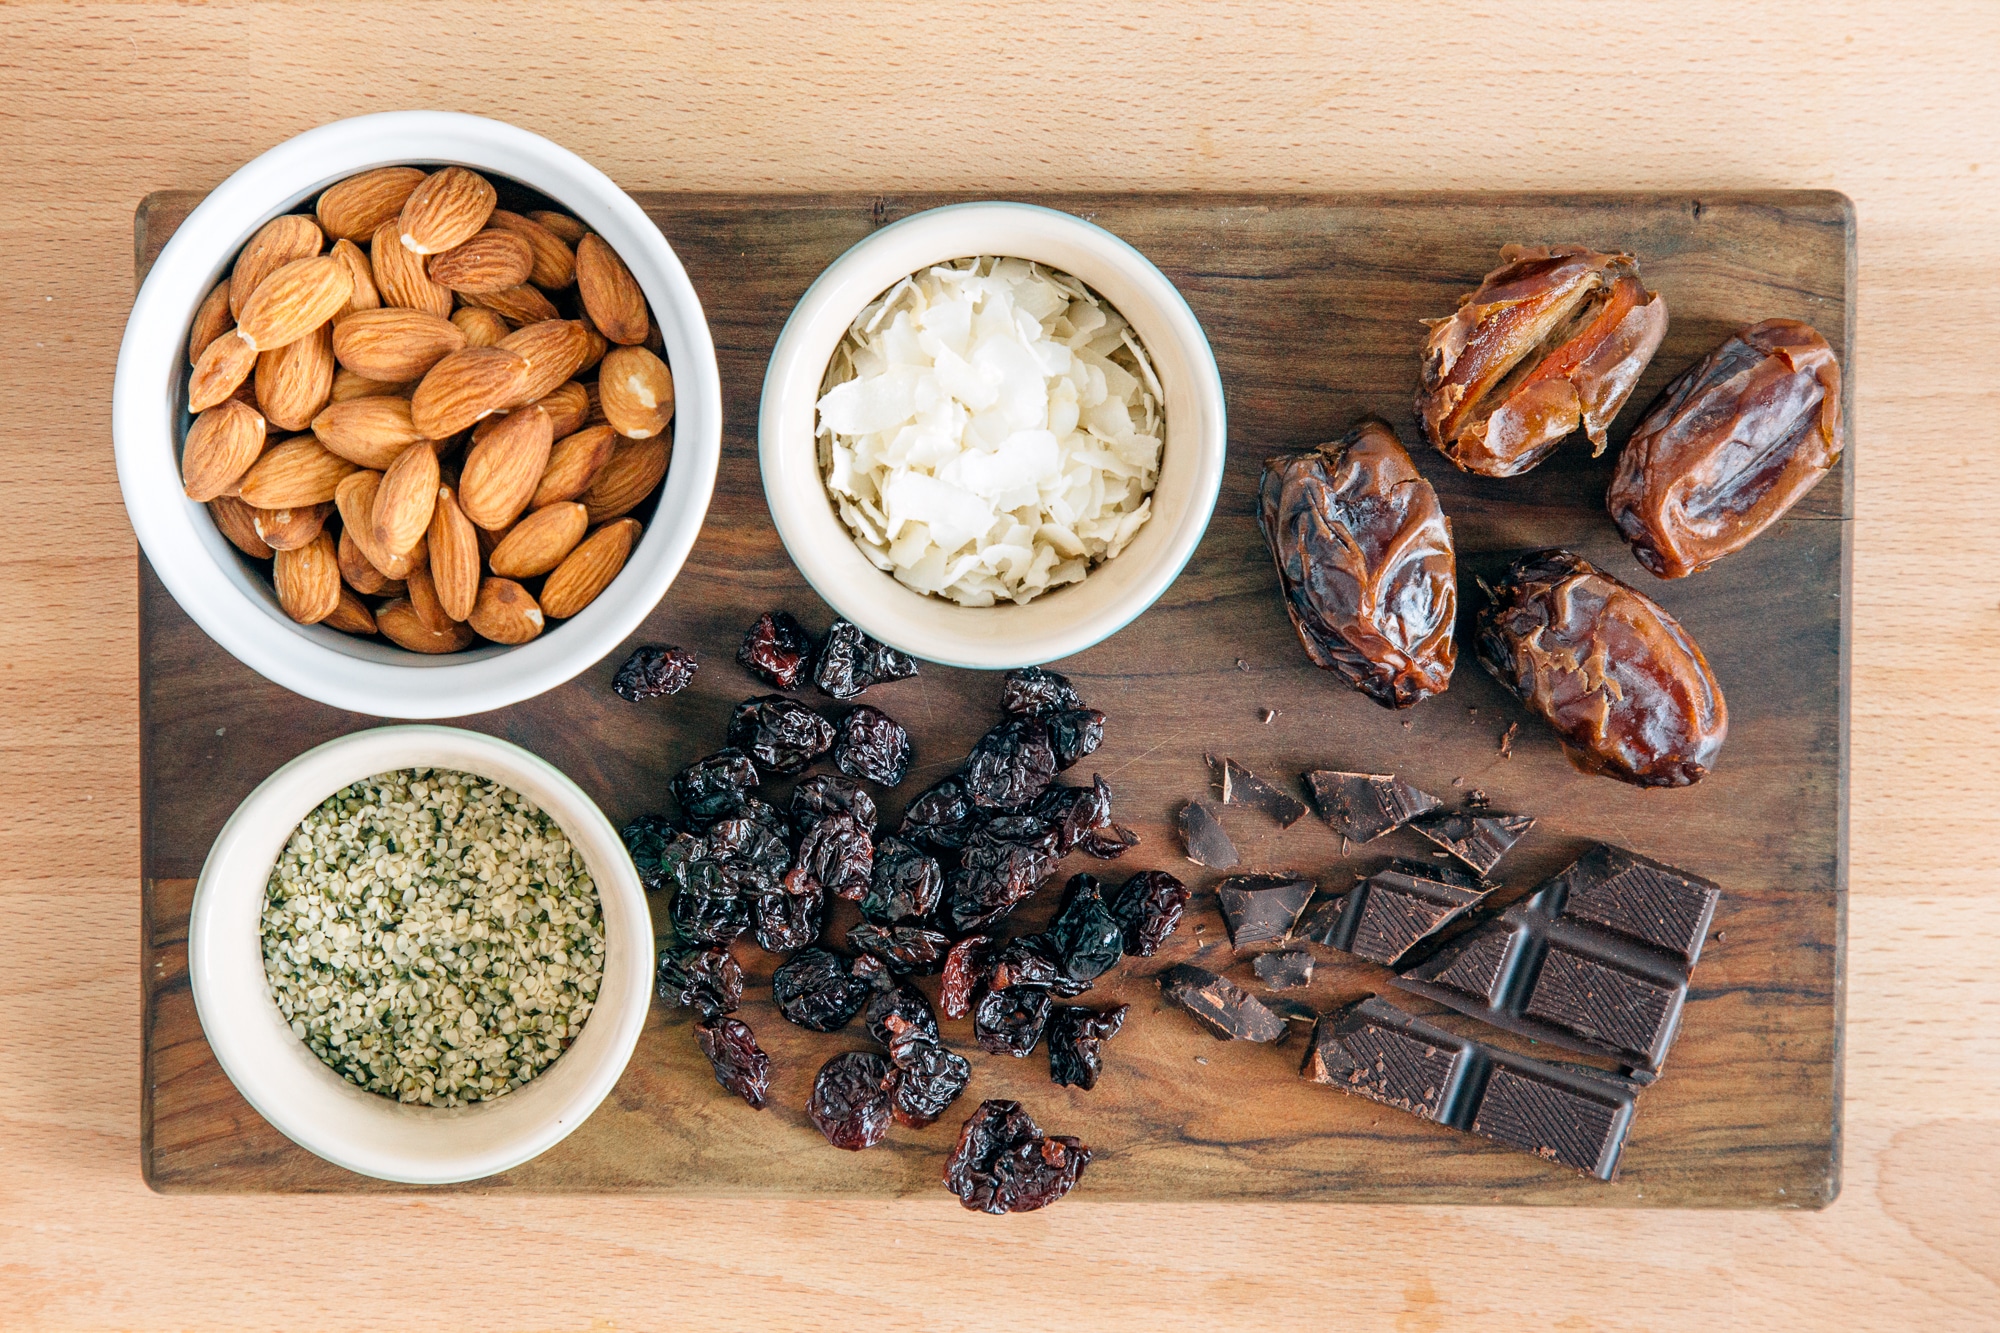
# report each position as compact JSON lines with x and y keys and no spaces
{"x":927,"y":1079}
{"x":1086,"y":938}
{"x":1011,"y":764}
{"x":740,"y":1065}
{"x":1075,"y":733}
{"x":1032,"y":962}
{"x":645,"y":838}
{"x":784,"y":922}
{"x":716,"y":787}
{"x":850,"y":1100}
{"x":1074,"y":812}
{"x":904,"y":949}
{"x":1036,"y":691}
{"x":1076,"y":1039}
{"x":1108,"y":843}
{"x":850,"y":662}
{"x":1009,"y":1020}
{"x":824,"y":794}
{"x":782,"y":735}
{"x":967,"y":968}
{"x":1149,"y":907}
{"x":1003,"y":1163}
{"x":899,"y":1008}
{"x":705,"y":980}
{"x":708,"y":918}
{"x":837,"y":855}
{"x":776,"y":648}
{"x":993,"y":876}
{"x":654,"y":670}
{"x":819,"y":990}
{"x":942,"y":817}
{"x":871,"y":744}
{"x":750,"y":855}
{"x":905,"y":885}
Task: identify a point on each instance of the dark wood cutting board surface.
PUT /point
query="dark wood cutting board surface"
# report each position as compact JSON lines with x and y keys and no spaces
{"x":1312,"y":304}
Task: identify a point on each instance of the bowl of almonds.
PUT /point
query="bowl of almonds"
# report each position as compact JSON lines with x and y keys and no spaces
{"x":417,"y":415}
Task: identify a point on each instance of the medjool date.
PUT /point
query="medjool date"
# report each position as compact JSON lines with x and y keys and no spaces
{"x":1076,"y":1038}
{"x":1616,"y":676}
{"x":1728,"y":447}
{"x":905,"y":884}
{"x":739,"y":1064}
{"x":705,"y":980}
{"x":1554,"y":339}
{"x":1009,"y":1021}
{"x":837,"y":855}
{"x":850,"y":662}
{"x":1149,"y":907}
{"x":1010,"y":765}
{"x":716,"y":787}
{"x":1003,"y":1163}
{"x":850,"y":1100}
{"x":1036,"y":691}
{"x":819,"y":990}
{"x":824,"y":794}
{"x":777,"y":648}
{"x":653,"y":670}
{"x":871,"y":744}
{"x":1365,"y":559}
{"x":782,"y":735}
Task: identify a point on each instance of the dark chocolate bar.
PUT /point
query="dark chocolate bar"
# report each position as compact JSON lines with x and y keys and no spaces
{"x":1361,"y":807}
{"x":1203,"y":838}
{"x":1562,"y":1113}
{"x":1220,"y":1005}
{"x":1477,"y":838}
{"x":1392,"y":911}
{"x":1262,"y":909}
{"x":1286,"y":969}
{"x":1597,"y":959}
{"x":1242,"y":787}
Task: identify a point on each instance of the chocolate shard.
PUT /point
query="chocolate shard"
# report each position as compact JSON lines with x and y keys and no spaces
{"x":1361,"y":807}
{"x":1561,"y":1113}
{"x":1392,"y":911}
{"x":1319,"y":924}
{"x":1478,"y":838}
{"x":1202,"y":837}
{"x":1220,"y":1005}
{"x":1242,"y":787}
{"x":1262,"y":909}
{"x":1553,"y":968}
{"x":1286,"y":969}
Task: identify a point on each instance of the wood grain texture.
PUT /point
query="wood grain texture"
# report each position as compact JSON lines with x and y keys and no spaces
{"x":1892,"y":102}
{"x":1314,"y":308}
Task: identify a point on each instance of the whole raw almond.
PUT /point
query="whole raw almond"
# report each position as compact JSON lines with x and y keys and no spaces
{"x":281,"y":241}
{"x":289,"y":529}
{"x":294,"y":301}
{"x":368,"y":432}
{"x":448,"y":208}
{"x":637,"y":392}
{"x":237,"y":521}
{"x":211,"y":320}
{"x":574,"y":463}
{"x":352,"y":209}
{"x":502,"y":470}
{"x":350,"y":257}
{"x":424,"y":601}
{"x":308,"y":580}
{"x":553,"y":349}
{"x":505,"y":612}
{"x":485,"y":263}
{"x":295,"y":381}
{"x":400,"y":276}
{"x":348,"y":386}
{"x":634,"y":470}
{"x":350,"y":615}
{"x":405,"y":498}
{"x":222,"y":369}
{"x":610,"y":294}
{"x":519,"y":306}
{"x":539,"y":542}
{"x":400,"y":625}
{"x":222,"y":444}
{"x":394,"y":345}
{"x":589,"y":569}
{"x":455,"y":556}
{"x":465,"y":386}
{"x":562,"y":224}
{"x":555,"y":264}
{"x":359,"y":571}
{"x":566,"y":404}
{"x":481,"y":327}
{"x":293,"y":474}
{"x":599,"y":344}
{"x":355,"y":499}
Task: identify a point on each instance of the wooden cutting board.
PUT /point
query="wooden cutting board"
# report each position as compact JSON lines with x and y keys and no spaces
{"x":1312,"y":304}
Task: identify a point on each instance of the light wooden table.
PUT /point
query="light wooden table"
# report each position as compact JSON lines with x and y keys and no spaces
{"x":1898,"y":104}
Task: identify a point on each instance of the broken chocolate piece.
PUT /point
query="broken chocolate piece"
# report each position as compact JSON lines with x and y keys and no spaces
{"x":1242,"y":787}
{"x":1479,"y":840}
{"x":1202,"y":836}
{"x":1220,"y":1005}
{"x":1287,"y":969}
{"x":1262,"y":909}
{"x":1640,"y":898}
{"x":1389,"y":913}
{"x":1361,"y":807}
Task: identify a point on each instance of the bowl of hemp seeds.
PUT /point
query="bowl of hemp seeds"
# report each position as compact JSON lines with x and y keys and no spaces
{"x":421,"y":953}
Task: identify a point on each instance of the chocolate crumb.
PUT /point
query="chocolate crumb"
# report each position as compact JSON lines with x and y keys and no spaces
{"x":1506,"y":739}
{"x":1268,"y":715}
{"x":1241,"y":665}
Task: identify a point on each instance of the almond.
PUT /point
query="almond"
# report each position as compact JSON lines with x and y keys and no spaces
{"x":554,"y":265}
{"x":637,"y":392}
{"x":400,"y":277}
{"x":355,"y":207}
{"x":517,"y":305}
{"x":634,"y":470}
{"x":308,"y":580}
{"x":487,"y":262}
{"x":448,"y":208}
{"x":394,"y":345}
{"x":465,"y":386}
{"x":502,"y":471}
{"x":455,"y":556}
{"x":589,"y":569}
{"x":211,"y":320}
{"x":594,"y":412}
{"x":505,"y":612}
{"x":221,"y":445}
{"x":562,"y":224}
{"x":293,"y":474}
{"x":599,"y":345}
{"x":368,"y":432}
{"x":356,"y":501}
{"x":350,"y":615}
{"x":566,"y":404}
{"x":610,"y":294}
{"x":553,"y":349}
{"x":481,"y":327}
{"x":349,"y":387}
{"x":237,"y":521}
{"x":349,"y":256}
{"x":223,"y":367}
{"x":359,"y":572}
{"x":289,"y":529}
{"x":294,"y":301}
{"x":573,"y":464}
{"x":538,"y":543}
{"x":405,"y":498}
{"x":295,"y":381}
{"x":399,"y":624}
{"x":277,"y":243}
{"x":424,"y":601}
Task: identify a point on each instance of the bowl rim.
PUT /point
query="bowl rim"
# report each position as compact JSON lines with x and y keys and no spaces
{"x":178,"y":536}
{"x":834,"y":291}
{"x":332,"y":1118}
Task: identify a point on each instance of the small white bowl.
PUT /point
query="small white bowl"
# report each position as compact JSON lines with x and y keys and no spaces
{"x":227,"y":597}
{"x":318,"y":1109}
{"x":1068,"y":619}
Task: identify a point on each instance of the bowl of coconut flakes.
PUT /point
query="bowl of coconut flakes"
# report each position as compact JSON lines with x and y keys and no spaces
{"x":992,"y":434}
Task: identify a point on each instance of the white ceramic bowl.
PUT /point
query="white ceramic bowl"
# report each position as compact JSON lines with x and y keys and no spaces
{"x":1068,"y":619}
{"x":232,"y":600}
{"x":317,"y":1108}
